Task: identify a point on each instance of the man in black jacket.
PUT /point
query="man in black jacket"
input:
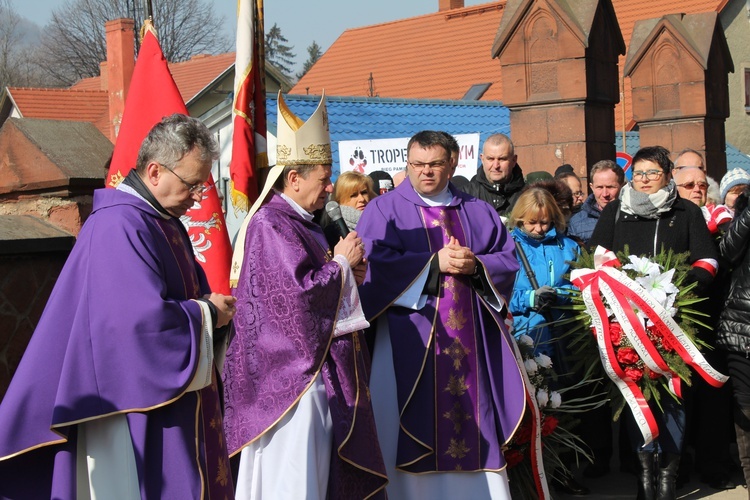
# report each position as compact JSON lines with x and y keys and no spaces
{"x":500,"y":180}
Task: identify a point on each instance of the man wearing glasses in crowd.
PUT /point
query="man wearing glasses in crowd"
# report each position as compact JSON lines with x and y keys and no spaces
{"x":690,"y":177}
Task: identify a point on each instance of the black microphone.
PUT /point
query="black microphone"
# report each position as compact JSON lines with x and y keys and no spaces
{"x":334,"y":212}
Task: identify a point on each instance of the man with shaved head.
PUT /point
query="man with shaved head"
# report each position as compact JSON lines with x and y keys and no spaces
{"x":499,"y":181}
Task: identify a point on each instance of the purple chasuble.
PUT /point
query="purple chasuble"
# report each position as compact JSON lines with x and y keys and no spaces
{"x":120,"y":334}
{"x":459,"y":387}
{"x":287,"y":301}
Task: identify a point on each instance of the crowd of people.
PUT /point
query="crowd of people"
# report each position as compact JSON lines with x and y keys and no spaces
{"x":368,"y":350}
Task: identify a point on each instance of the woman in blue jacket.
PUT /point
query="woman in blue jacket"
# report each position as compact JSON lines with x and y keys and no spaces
{"x":539,"y":230}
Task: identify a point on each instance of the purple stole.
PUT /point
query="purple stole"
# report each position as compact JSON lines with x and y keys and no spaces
{"x":214,"y":457}
{"x":455,"y":356}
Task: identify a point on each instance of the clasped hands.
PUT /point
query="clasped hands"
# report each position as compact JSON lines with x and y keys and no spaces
{"x":455,"y":259}
{"x":353,"y":250}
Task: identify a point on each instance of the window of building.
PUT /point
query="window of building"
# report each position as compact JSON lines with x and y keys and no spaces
{"x":747,"y":90}
{"x":476,"y":91}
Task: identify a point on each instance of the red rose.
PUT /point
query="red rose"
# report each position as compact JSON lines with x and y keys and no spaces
{"x":634,"y":374}
{"x":653,"y":333}
{"x":615,"y":333}
{"x":513,"y":457}
{"x":524,"y":433}
{"x":549,"y":425}
{"x":627,"y":356}
{"x":667,"y":344}
{"x":653,"y":375}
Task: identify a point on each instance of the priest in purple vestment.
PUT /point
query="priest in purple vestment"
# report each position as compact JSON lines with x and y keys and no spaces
{"x":446,"y":383}
{"x":117,"y":393}
{"x":298,"y":412}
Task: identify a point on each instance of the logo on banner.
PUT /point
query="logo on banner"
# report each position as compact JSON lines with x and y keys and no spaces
{"x":358,"y":160}
{"x":390,"y":155}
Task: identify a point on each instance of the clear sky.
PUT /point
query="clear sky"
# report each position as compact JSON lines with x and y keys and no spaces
{"x":301,"y":21}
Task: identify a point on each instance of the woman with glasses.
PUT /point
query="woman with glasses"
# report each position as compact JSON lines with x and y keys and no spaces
{"x":649,"y":217}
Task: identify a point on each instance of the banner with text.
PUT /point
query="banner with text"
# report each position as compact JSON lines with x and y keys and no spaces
{"x":389,"y":155}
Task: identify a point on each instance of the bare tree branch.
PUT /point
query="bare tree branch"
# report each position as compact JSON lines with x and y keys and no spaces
{"x":74,"y":41}
{"x":16,"y":68}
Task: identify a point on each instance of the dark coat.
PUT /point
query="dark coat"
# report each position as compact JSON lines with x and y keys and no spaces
{"x":582,"y":224}
{"x":681,"y":229}
{"x":733,"y":331}
{"x":501,"y":196}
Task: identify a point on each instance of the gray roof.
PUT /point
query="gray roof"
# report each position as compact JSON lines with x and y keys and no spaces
{"x":78,"y":148}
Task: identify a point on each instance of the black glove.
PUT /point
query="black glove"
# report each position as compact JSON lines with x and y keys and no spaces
{"x":544,"y":297}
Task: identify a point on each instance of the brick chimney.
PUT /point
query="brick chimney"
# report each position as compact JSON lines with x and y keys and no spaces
{"x":119,"y":69}
{"x":444,"y":5}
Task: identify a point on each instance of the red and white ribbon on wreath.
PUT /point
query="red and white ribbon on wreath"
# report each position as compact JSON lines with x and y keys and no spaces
{"x":537,"y":464}
{"x":622,"y":295}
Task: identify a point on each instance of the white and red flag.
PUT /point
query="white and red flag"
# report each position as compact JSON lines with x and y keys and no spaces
{"x":249,"y":111}
{"x":153,"y":95}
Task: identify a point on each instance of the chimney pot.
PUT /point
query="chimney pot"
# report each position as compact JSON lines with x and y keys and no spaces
{"x":444,"y":5}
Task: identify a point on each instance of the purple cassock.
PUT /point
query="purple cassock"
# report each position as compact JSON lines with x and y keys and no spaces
{"x":459,"y":386}
{"x":119,"y":335}
{"x":287,"y":301}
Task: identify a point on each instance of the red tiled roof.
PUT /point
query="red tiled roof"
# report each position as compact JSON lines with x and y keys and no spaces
{"x":194,"y":75}
{"x":63,"y":104}
{"x":439,"y":55}
{"x":191,"y":76}
{"x":91,"y":83}
{"x":85,"y":101}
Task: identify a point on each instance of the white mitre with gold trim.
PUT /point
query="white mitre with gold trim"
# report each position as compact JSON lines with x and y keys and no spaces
{"x":303,"y":143}
{"x":297,"y":143}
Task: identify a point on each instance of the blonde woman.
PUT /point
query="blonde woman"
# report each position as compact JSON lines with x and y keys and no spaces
{"x":539,"y":229}
{"x":352,"y":191}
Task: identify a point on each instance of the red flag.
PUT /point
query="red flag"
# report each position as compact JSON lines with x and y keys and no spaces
{"x":152,"y":96}
{"x":249,"y":137}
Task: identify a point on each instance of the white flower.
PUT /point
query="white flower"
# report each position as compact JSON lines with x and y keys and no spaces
{"x":642,"y":265}
{"x":555,"y":400}
{"x":542,"y":397}
{"x":543,"y":360}
{"x":660,"y":287}
{"x":525,"y":340}
{"x":531,"y":367}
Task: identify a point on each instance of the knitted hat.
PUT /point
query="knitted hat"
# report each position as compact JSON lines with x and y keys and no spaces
{"x":539,"y":175}
{"x":735,"y":177}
